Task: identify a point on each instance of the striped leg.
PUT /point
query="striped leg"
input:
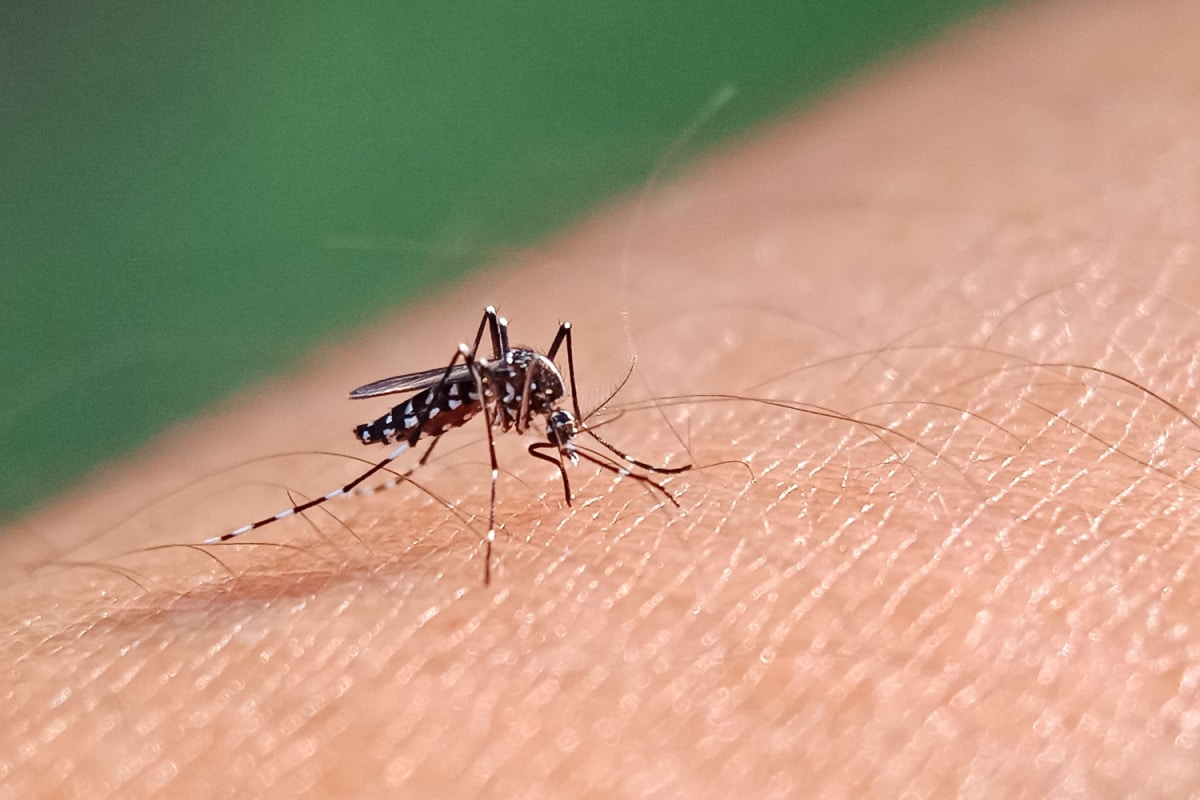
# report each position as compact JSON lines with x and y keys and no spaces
{"x":469,"y":355}
{"x":349,"y":487}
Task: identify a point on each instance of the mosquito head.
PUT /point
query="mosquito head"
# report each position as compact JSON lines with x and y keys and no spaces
{"x":561,"y":430}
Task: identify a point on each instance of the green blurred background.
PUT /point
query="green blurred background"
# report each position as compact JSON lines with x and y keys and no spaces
{"x":191,"y":195}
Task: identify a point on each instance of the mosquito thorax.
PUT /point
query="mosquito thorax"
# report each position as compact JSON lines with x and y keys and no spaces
{"x":546,"y":385}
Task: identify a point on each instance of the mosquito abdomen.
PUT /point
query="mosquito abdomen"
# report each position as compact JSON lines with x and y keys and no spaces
{"x":432,"y":411}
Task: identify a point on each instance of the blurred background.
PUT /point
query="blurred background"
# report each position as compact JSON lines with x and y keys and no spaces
{"x":194,"y":194}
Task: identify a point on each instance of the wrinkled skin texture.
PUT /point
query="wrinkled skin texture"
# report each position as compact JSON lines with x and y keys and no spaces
{"x":984,"y":582}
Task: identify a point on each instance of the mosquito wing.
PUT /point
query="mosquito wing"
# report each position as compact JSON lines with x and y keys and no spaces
{"x":412,"y":382}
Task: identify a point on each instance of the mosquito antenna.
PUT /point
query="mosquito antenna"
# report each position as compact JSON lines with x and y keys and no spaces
{"x":612,"y":395}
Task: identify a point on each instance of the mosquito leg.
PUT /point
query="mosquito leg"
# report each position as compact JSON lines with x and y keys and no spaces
{"x":536,"y":449}
{"x":523,"y":416}
{"x":637,"y":462}
{"x":493,"y":326}
{"x":396,"y":480}
{"x":473,"y":367}
{"x":622,"y":472}
{"x":564,"y":334}
{"x":499,"y":335}
{"x":349,"y":487}
{"x":428,"y":452}
{"x":488,"y":322}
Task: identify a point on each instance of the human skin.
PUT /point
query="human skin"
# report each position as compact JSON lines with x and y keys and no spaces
{"x":975,"y":575}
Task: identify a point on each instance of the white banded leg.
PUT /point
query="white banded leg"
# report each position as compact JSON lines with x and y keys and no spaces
{"x":347,"y":489}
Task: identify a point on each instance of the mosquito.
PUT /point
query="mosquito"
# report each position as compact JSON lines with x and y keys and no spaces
{"x":511,"y":389}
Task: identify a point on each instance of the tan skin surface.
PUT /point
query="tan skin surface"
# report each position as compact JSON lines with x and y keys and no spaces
{"x":990,"y":251}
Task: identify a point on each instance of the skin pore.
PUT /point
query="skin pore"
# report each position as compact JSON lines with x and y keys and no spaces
{"x":982,"y":582}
